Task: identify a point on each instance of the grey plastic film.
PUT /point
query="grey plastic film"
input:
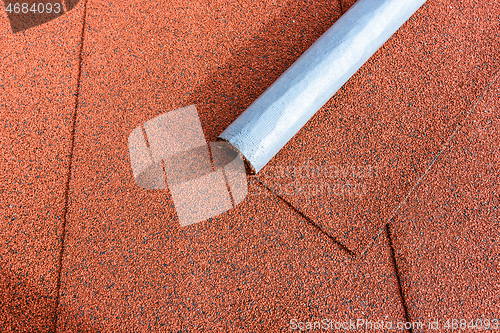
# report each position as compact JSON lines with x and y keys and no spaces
{"x":286,"y":106}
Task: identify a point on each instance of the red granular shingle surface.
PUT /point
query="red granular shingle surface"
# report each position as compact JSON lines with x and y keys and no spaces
{"x":38,"y":79}
{"x":346,"y":4}
{"x":4,"y":22}
{"x":128,"y":266}
{"x":446,"y":237}
{"x":358,"y":157}
{"x":252,"y":269}
{"x":127,"y":263}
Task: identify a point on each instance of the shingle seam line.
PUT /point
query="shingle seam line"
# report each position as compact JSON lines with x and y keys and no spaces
{"x":398,"y":277}
{"x":445,"y":145}
{"x":309,"y":220}
{"x":68,"y":179}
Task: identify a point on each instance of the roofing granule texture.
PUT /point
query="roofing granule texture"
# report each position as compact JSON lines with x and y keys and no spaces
{"x":357,"y":158}
{"x":38,"y":78}
{"x":127,"y":263}
{"x":446,"y":237}
{"x":128,"y":266}
{"x":346,"y":4}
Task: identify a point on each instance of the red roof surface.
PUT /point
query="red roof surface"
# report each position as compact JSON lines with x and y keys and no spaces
{"x":383,"y":207}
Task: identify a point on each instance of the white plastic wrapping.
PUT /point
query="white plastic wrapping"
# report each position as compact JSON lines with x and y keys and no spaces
{"x":285,"y":107}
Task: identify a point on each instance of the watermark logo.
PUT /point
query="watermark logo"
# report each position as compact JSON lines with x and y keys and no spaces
{"x":26,"y":14}
{"x":322,"y":180}
{"x":359,"y":324}
{"x":204,"y":180}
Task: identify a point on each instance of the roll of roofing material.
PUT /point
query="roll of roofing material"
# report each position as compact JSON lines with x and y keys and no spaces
{"x":286,"y":106}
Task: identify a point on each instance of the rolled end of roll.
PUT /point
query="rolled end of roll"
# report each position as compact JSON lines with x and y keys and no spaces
{"x":171,"y":150}
{"x":249,"y":169}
